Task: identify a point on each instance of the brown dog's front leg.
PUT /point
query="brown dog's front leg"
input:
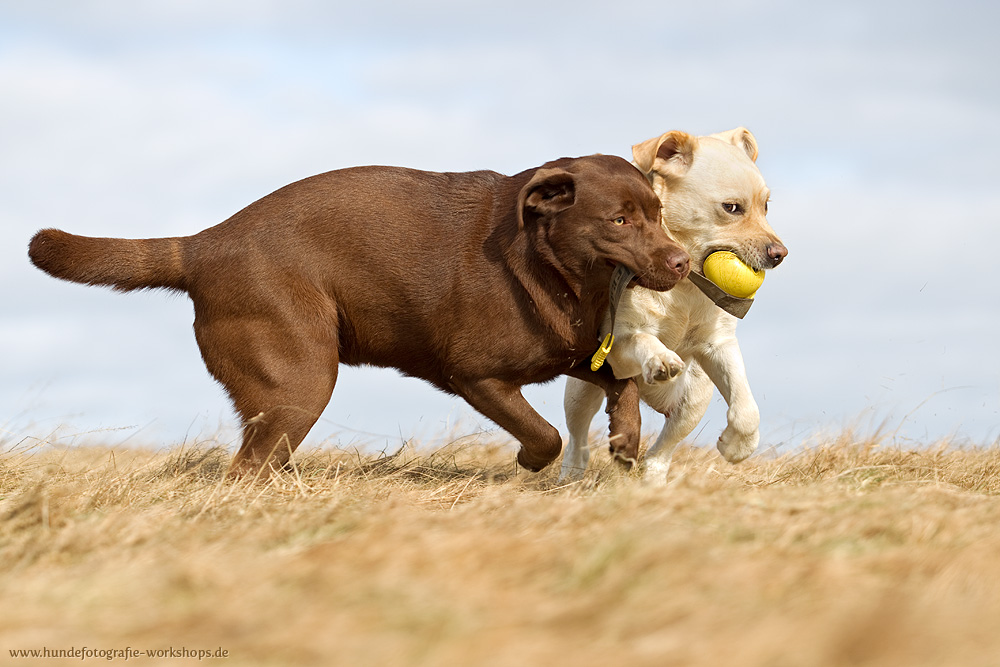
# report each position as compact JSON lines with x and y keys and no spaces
{"x":623,"y":411}
{"x":626,"y":423}
{"x":503,"y":403}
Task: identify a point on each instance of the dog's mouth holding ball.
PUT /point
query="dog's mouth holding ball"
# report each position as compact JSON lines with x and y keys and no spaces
{"x":736,"y":251}
{"x":727,"y":271}
{"x":762,"y":257}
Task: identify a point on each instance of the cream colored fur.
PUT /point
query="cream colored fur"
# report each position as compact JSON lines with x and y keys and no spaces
{"x":679,"y":344}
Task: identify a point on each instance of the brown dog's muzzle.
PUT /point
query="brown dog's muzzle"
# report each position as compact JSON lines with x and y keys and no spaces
{"x":670,"y":266}
{"x":680,"y":263}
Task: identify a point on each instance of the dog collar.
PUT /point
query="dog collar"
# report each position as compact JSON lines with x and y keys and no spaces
{"x":733,"y":305}
{"x":619,"y":281}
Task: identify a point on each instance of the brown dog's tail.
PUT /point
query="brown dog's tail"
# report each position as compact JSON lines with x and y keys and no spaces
{"x":124,"y":264}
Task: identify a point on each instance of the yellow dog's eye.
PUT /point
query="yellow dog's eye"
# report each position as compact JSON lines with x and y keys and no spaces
{"x":619,"y":220}
{"x":732,"y":208}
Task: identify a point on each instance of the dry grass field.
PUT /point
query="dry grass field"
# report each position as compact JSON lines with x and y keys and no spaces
{"x":844,"y":553}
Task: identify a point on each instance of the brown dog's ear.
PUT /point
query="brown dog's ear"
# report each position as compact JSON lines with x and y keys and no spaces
{"x":741,"y":137}
{"x":549,"y":191}
{"x":675,"y":150}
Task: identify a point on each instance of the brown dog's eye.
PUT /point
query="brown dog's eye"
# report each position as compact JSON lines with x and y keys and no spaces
{"x":619,"y":220}
{"x":733,"y":208}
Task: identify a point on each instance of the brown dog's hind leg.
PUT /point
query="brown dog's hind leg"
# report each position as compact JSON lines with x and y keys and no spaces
{"x":280,"y":376}
{"x":503,"y":403}
{"x":270,"y":437}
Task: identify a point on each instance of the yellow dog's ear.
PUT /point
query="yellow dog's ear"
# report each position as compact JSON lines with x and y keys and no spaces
{"x":741,"y":137}
{"x":669,"y":154}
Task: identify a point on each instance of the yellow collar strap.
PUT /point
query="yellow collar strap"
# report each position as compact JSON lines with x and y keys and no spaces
{"x":619,"y":281}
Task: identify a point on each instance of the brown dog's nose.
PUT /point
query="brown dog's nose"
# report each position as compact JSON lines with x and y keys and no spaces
{"x":680,"y":262}
{"x":776,"y":252}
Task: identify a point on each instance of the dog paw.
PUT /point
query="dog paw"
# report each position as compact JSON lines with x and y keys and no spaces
{"x":624,"y":449}
{"x":624,"y":461}
{"x":531,"y":462}
{"x":574,"y":465}
{"x":662,"y":367}
{"x":735,"y":446}
{"x":655,"y":471}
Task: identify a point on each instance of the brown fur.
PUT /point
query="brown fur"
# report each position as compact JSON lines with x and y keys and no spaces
{"x":476,"y":282}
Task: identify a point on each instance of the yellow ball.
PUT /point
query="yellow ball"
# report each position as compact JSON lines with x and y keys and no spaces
{"x":729,"y":272}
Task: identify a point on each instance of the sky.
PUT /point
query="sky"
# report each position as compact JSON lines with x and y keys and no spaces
{"x":877,"y":128}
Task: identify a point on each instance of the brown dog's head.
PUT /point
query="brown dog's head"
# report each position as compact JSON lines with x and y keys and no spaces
{"x":597,"y":212}
{"x":712,"y":194}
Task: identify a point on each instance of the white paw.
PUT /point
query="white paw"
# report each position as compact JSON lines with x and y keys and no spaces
{"x":655,"y":471}
{"x":574,"y":465}
{"x":661,"y":367}
{"x":735,"y":446}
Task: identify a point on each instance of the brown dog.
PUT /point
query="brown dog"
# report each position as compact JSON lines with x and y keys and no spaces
{"x":476,"y":282}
